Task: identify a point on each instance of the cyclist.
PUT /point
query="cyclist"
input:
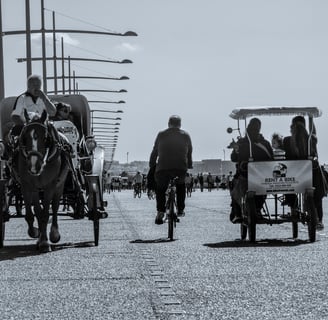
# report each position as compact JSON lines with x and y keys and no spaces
{"x":137,"y":180}
{"x":188,"y":182}
{"x":172,"y":156}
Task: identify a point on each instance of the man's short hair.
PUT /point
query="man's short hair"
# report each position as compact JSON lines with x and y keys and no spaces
{"x":34,"y":77}
{"x":175,"y":121}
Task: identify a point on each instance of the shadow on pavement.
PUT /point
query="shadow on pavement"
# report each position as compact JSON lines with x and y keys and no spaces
{"x":67,"y":245}
{"x":22,"y":251}
{"x":18,"y":251}
{"x":160,"y":240}
{"x":259,"y":243}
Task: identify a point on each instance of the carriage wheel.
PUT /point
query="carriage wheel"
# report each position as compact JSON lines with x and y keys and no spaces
{"x":94,"y":212}
{"x":78,"y":207}
{"x":251,"y":216}
{"x":311,"y":216}
{"x":2,"y":212}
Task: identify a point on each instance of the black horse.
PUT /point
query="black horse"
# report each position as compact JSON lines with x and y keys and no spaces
{"x":41,"y":169}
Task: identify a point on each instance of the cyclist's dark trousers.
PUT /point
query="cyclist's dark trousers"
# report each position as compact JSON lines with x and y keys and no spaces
{"x":162,"y":179}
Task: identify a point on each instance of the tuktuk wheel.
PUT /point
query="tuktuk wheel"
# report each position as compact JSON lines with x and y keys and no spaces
{"x":243,"y":231}
{"x":311,"y":215}
{"x":294,"y":223}
{"x":2,"y":233}
{"x":251,"y":216}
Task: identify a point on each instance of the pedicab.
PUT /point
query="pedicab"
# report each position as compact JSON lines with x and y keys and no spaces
{"x":275,"y":179}
{"x":83,"y":185}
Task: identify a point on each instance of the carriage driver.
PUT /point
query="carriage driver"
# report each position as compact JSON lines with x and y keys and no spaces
{"x":34,"y":101}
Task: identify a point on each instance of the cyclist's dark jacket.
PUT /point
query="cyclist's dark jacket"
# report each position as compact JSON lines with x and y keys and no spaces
{"x":172,"y":150}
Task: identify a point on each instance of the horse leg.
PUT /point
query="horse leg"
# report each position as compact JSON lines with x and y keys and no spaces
{"x":54,"y":197}
{"x":32,"y":231}
{"x":54,"y":234}
{"x":42,"y":215}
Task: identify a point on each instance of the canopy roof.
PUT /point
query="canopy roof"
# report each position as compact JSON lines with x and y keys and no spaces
{"x":243,"y":113}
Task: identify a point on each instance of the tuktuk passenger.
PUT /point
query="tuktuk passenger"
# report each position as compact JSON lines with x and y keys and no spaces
{"x":261,"y":151}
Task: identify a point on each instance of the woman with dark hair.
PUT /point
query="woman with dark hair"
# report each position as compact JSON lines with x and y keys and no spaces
{"x":251,"y":147}
{"x":296,"y":148}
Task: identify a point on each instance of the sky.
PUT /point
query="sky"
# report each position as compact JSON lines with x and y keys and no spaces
{"x":199,"y":59}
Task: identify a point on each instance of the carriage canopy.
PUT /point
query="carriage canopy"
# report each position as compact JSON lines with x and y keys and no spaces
{"x":80,"y":112}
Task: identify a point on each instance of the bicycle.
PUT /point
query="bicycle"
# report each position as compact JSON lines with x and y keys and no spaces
{"x":137,"y":190}
{"x":151,"y":194}
{"x":188,"y":189}
{"x":170,"y":205}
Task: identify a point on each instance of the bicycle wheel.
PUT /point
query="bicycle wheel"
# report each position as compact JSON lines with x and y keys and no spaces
{"x":171,"y":217}
{"x":139,"y":193}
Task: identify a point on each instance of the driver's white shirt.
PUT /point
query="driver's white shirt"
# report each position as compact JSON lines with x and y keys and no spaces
{"x":26,"y":102}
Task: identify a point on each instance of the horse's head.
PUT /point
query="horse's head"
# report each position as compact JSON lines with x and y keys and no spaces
{"x":35,"y":142}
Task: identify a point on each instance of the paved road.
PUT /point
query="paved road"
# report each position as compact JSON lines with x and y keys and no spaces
{"x":135,"y":273}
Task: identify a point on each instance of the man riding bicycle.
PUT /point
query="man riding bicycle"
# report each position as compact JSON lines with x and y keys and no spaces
{"x":172,"y":156}
{"x":137,"y":180}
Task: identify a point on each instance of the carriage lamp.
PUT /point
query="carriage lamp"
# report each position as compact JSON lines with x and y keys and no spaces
{"x":90,"y":143}
{"x":2,"y":148}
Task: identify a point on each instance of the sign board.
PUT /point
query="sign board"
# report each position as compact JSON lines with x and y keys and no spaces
{"x":285,"y":176}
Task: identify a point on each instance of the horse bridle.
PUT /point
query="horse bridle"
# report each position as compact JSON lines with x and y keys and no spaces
{"x":51,"y":149}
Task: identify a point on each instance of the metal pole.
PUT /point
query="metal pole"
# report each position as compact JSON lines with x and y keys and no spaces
{"x":44,"y":62}
{"x":74,"y":81}
{"x":54,"y":52}
{"x":63,"y":67}
{"x":2,"y":77}
{"x":69,"y":74}
{"x":28,"y":39}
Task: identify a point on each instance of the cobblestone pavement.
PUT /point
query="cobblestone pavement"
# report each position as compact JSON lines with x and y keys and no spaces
{"x":136,"y":273}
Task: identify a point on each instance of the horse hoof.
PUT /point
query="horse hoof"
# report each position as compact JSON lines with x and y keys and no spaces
{"x":43,"y":246}
{"x":54,"y":235}
{"x":33,"y":232}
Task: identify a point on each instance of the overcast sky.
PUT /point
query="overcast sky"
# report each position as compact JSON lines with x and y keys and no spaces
{"x":196,"y":58}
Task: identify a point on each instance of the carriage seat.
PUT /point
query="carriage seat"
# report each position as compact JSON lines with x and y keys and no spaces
{"x":70,"y":135}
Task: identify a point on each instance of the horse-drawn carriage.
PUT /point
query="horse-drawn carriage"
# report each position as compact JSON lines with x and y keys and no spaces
{"x":276,"y":180}
{"x":51,"y":163}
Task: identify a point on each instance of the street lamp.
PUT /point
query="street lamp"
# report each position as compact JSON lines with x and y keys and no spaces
{"x":105,"y":101}
{"x":107,"y":123}
{"x":107,"y":111}
{"x":43,"y":31}
{"x":98,"y":130}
